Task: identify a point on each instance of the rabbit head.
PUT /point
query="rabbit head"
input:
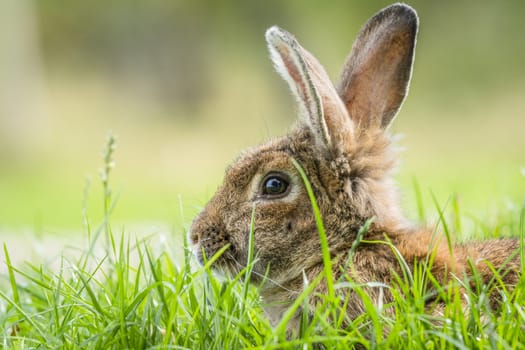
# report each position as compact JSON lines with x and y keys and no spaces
{"x":340,"y":141}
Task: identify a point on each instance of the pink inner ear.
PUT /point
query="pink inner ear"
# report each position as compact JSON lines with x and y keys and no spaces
{"x":376,"y":75}
{"x":297,"y":77}
{"x":377,"y":87}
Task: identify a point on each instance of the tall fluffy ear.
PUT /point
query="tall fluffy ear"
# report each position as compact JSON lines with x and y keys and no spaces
{"x":320,"y":107}
{"x":377,"y":73}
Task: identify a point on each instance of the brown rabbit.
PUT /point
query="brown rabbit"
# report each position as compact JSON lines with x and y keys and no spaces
{"x":341,"y":143}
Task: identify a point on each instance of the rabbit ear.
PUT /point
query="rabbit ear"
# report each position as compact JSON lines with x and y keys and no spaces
{"x":377,"y":73}
{"x":319,"y":104}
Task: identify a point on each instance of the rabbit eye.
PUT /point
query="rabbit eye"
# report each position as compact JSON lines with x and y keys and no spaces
{"x":275,"y":185}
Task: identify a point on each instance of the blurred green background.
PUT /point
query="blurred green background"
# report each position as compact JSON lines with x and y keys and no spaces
{"x":186,"y":85}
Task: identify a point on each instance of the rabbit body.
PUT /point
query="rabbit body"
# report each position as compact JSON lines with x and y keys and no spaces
{"x":342,"y":144}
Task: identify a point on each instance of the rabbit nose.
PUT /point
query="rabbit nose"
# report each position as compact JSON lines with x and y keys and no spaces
{"x":194,"y":236}
{"x":199,"y":228}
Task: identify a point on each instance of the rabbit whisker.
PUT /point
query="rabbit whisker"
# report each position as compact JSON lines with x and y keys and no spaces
{"x":263,"y":276}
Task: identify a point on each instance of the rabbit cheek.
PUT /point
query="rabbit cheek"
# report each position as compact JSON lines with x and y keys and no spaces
{"x":278,"y":243}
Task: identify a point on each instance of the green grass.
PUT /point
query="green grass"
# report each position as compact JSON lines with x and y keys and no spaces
{"x":126,"y":293}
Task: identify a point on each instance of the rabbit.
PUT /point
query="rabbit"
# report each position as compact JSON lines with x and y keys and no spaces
{"x":342,"y":143}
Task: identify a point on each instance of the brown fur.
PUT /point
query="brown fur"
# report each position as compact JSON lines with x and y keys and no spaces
{"x":341,"y":143}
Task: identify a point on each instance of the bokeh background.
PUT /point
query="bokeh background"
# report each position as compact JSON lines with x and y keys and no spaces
{"x":186,"y":85}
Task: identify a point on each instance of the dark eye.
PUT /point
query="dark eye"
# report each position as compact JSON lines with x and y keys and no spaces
{"x":275,"y":185}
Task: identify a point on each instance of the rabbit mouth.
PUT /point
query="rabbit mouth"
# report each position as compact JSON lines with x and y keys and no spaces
{"x":226,"y":262}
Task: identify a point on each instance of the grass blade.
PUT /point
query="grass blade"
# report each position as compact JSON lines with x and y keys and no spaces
{"x":327,"y":261}
{"x":12,"y":280}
